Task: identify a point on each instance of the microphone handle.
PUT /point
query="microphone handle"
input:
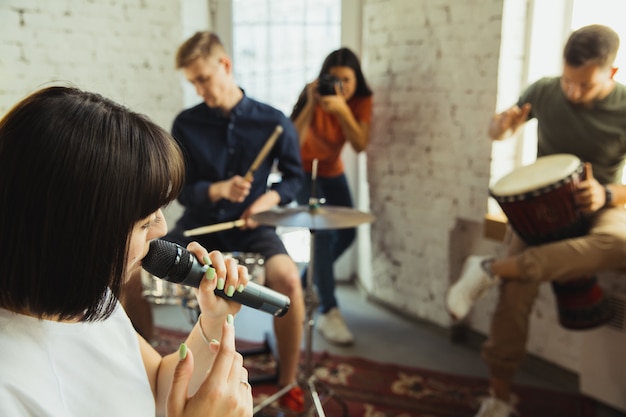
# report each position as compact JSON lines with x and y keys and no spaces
{"x":253,"y":295}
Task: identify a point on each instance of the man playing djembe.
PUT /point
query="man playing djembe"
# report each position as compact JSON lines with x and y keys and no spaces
{"x":582,"y":113}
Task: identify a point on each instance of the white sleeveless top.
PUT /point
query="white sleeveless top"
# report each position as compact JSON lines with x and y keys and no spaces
{"x":72,"y":369}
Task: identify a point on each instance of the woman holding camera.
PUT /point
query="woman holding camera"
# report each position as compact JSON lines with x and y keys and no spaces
{"x":332,"y":110}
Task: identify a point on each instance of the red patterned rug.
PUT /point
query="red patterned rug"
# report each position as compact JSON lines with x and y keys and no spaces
{"x":364,"y":388}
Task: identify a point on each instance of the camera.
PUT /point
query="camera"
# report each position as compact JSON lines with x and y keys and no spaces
{"x":326,"y":85}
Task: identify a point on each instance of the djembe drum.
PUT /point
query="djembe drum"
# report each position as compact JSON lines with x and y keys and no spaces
{"x":538,"y":200}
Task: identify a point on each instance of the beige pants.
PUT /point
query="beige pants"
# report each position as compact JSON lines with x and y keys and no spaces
{"x":603,"y":248}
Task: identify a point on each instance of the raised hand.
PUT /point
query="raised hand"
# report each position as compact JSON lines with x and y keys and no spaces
{"x":225,"y":392}
{"x":590,"y":196}
{"x":227,"y":275}
{"x":235,"y":189}
{"x":507,"y":122}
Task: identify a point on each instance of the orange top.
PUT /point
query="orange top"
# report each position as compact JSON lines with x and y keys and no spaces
{"x":324,"y":139}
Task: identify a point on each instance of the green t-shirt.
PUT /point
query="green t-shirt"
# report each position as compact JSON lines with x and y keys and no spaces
{"x":596,"y":134}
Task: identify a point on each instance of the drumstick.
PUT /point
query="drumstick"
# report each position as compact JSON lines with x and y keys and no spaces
{"x":264,"y":151}
{"x":212,"y":228}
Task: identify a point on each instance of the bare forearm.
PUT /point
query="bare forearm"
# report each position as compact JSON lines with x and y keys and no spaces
{"x":215,"y":191}
{"x":268,"y":200}
{"x":303,"y":121}
{"x":357,"y":134}
{"x":203,"y":360}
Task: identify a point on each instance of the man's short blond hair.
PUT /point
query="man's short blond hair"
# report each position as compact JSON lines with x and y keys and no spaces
{"x":200,"y":45}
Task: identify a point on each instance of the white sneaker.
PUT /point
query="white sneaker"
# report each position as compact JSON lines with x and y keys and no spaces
{"x":472,"y":284}
{"x":332,"y":326}
{"x":494,"y":407}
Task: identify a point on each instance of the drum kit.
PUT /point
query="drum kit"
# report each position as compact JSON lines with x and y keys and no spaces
{"x":538,"y":200}
{"x":314,"y":217}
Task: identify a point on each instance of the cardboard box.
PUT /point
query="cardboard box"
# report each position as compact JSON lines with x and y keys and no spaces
{"x":495,"y":225}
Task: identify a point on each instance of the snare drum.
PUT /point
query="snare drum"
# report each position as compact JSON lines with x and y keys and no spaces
{"x":158,"y":291}
{"x":538,"y":200}
{"x":161,"y":292}
{"x":254,"y":262}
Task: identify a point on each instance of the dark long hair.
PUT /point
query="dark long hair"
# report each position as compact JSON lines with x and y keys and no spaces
{"x":77,"y":171}
{"x":343,"y":57}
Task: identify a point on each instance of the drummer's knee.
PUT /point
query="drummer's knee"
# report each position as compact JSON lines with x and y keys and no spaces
{"x":282,"y":275}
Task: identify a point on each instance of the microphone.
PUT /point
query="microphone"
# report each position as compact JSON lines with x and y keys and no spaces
{"x":173,"y":263}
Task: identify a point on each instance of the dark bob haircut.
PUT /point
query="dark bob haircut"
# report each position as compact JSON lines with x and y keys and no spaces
{"x":77,"y":171}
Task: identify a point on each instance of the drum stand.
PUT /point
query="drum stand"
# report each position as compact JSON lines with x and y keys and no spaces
{"x":308,"y":381}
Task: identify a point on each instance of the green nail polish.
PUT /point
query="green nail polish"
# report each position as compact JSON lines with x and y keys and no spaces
{"x":206,"y":260}
{"x":230,"y":291}
{"x":240,"y":288}
{"x":210,"y":274}
{"x":182,"y":351}
{"x":220,"y":283}
{"x":230,"y":319}
{"x":214,"y":341}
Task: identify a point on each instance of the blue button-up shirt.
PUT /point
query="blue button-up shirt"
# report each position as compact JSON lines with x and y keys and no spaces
{"x":218,"y":146}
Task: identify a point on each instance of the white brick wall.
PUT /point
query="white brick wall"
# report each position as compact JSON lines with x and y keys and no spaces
{"x":438,"y":78}
{"x":433,"y":66}
{"x":123,"y":49}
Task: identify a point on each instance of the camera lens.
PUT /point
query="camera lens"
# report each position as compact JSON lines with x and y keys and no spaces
{"x":326,"y":85}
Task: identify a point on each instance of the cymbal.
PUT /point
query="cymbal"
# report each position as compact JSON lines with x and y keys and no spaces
{"x":316,"y":218}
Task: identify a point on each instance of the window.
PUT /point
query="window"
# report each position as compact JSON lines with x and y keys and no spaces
{"x":605,"y":12}
{"x":279,"y":46}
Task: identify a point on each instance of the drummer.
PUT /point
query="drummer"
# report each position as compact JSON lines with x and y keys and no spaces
{"x":222,"y":137}
{"x":581,"y":113}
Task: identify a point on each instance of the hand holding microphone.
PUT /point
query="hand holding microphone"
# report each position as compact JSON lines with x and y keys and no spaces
{"x":173,"y":263}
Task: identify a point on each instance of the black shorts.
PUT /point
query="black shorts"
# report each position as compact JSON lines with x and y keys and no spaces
{"x":262,"y":240}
